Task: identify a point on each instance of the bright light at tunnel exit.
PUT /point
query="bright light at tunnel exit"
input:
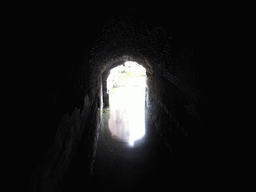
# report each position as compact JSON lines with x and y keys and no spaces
{"x":126,"y":87}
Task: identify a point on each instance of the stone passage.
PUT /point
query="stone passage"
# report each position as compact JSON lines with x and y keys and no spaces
{"x":68,"y":59}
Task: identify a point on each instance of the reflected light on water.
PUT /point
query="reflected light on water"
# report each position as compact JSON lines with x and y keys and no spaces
{"x":127,"y":112}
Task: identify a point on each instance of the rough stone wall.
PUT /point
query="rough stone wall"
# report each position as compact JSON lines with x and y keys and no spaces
{"x":76,"y":134}
{"x":63,"y":102}
{"x":173,"y":101}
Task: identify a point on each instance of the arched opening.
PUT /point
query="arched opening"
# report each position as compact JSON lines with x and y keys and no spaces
{"x":124,"y":116}
{"x":127,"y":147}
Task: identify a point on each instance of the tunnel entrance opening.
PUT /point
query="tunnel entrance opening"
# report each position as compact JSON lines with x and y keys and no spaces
{"x":130,"y":155}
{"x":126,"y":86}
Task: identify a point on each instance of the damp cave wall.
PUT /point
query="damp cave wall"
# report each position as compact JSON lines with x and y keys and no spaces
{"x":63,"y":106}
{"x":62,"y":103}
{"x":174,"y":104}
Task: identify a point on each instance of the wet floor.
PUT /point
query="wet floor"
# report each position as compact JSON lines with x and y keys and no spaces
{"x":126,"y":120}
{"x":130,"y":154}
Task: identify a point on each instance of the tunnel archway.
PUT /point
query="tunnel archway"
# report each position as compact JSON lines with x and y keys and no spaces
{"x":69,"y":98}
{"x":106,"y":75}
{"x":124,"y":99}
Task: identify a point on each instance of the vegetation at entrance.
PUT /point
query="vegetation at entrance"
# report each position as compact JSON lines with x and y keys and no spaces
{"x":130,"y":74}
{"x":127,"y":74}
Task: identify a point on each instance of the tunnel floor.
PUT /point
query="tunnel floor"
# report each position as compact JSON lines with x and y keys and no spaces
{"x":120,"y":166}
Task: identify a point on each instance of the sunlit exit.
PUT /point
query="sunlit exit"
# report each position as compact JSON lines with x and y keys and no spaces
{"x":126,"y":88}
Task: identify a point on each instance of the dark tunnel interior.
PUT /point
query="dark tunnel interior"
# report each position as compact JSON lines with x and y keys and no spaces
{"x":67,"y":58}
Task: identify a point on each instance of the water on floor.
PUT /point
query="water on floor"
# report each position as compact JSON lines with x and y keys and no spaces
{"x":129,"y":155}
{"x":127,"y":115}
